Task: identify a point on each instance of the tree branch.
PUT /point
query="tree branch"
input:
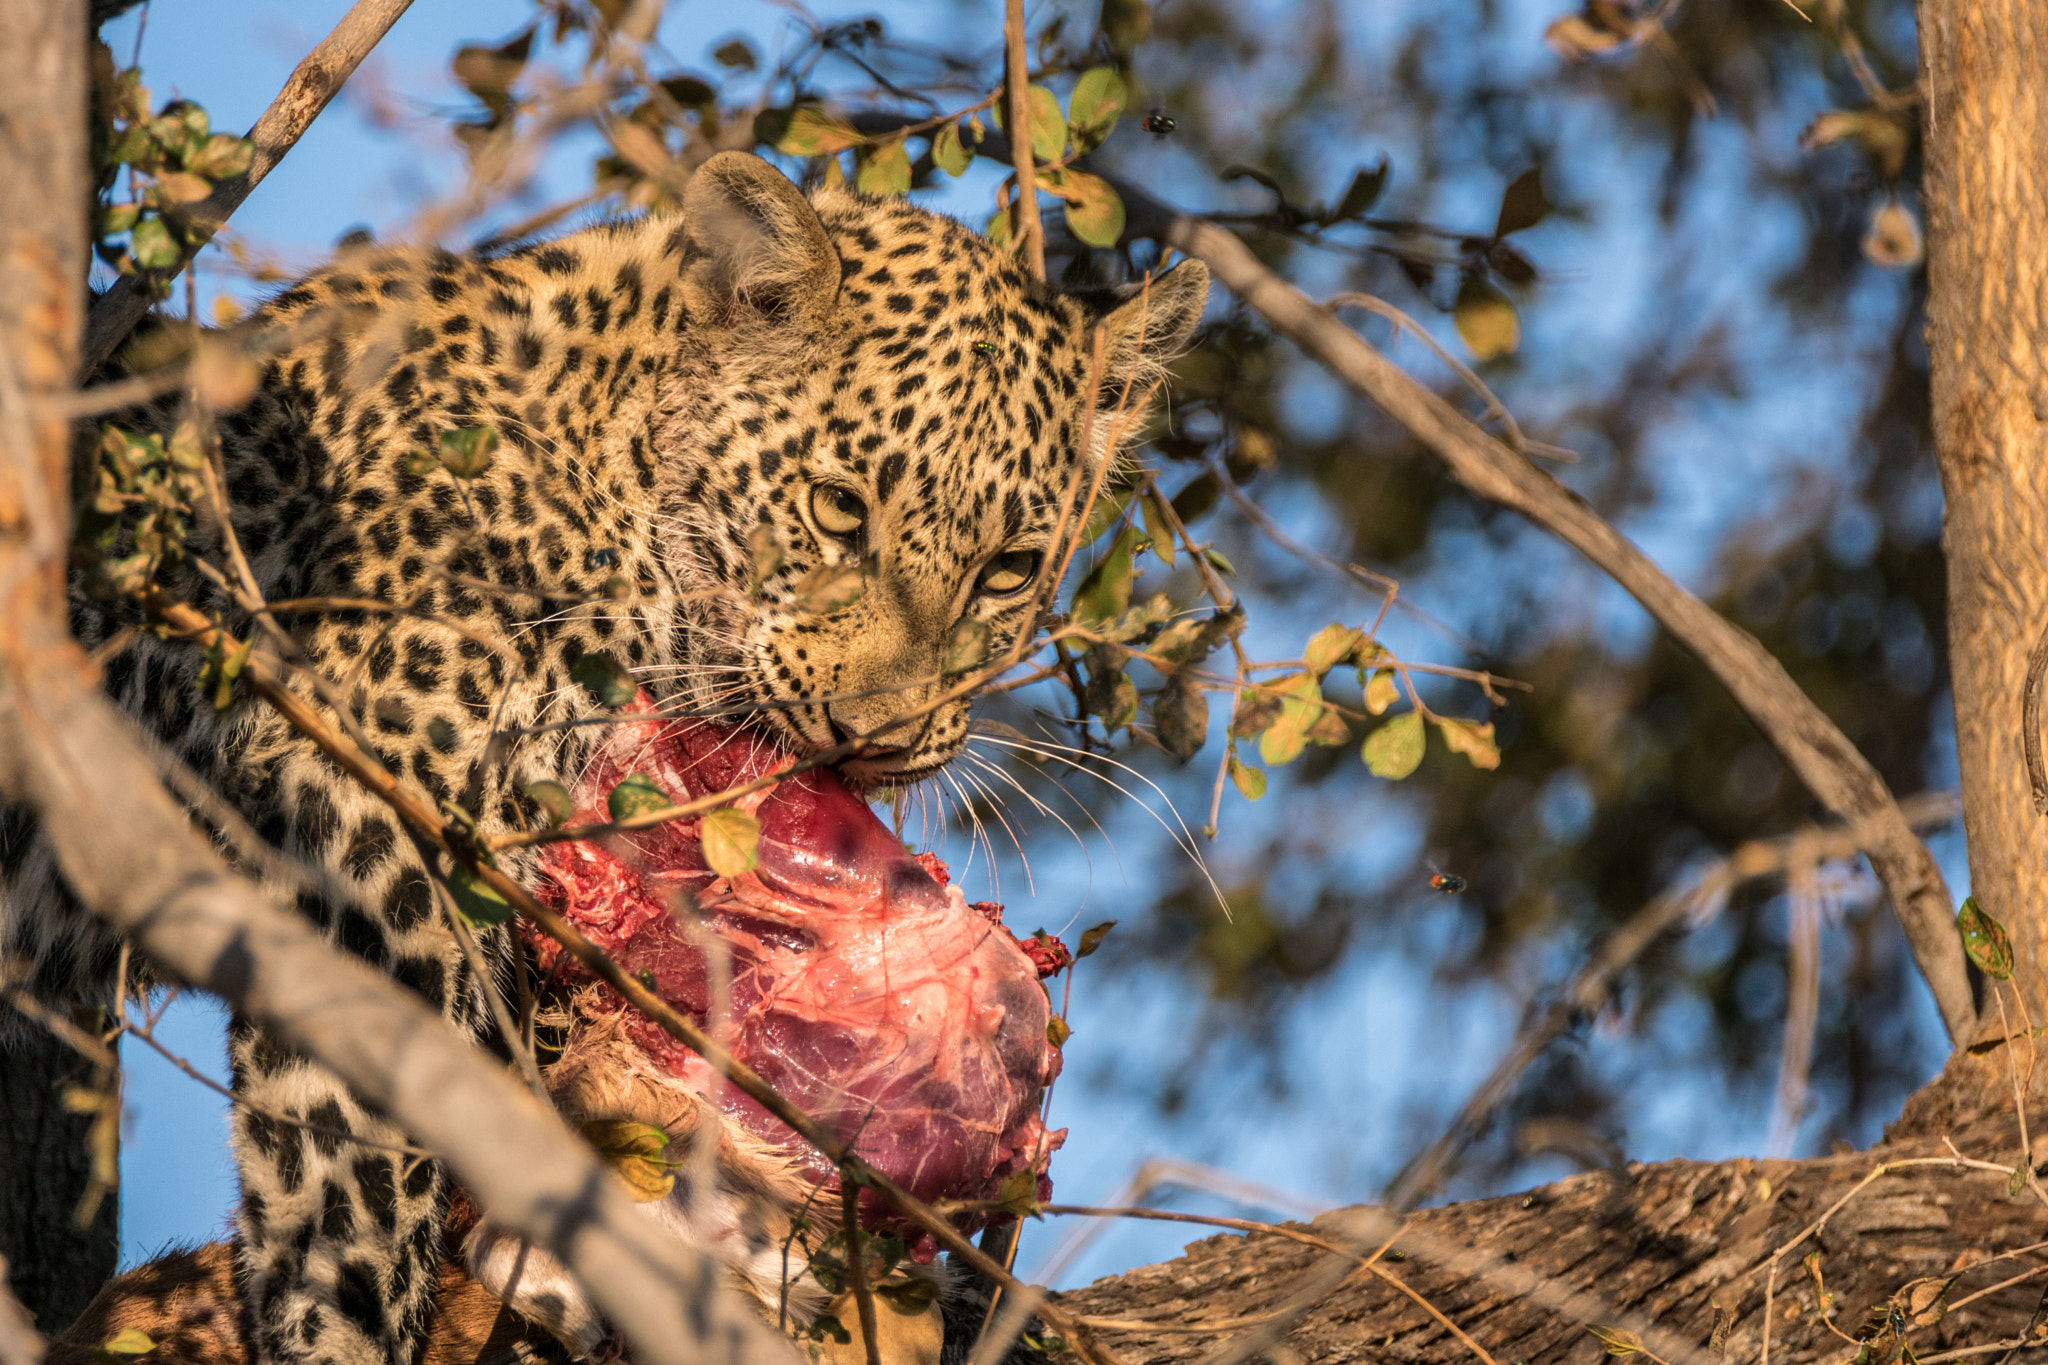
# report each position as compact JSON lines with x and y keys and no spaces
{"x":313,"y":83}
{"x":1815,"y":748}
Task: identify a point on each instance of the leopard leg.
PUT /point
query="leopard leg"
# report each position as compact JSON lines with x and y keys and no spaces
{"x":339,"y":1239}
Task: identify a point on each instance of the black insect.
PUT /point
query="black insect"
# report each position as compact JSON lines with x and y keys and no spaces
{"x":1447,"y":883}
{"x":1158,"y":123}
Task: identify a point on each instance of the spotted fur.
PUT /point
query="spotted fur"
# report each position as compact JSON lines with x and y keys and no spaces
{"x":663,"y":387}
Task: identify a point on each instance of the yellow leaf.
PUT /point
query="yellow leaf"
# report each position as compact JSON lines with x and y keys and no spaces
{"x":1472,"y":739}
{"x":1381,"y":692}
{"x":1486,"y":320}
{"x":634,"y":1151}
{"x":731,"y":841}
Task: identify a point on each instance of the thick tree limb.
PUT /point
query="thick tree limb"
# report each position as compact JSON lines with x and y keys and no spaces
{"x":1986,"y":197}
{"x":1815,"y":748}
{"x":313,"y":83}
{"x":1686,"y":1246}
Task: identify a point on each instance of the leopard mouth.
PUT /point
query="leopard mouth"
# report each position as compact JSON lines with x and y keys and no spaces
{"x":861,"y":986}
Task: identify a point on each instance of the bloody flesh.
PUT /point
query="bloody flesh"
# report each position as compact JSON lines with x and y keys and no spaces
{"x":863,"y":988}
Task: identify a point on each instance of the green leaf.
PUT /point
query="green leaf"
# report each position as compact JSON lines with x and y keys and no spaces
{"x":1524,"y":205}
{"x":830,"y":589}
{"x":1486,"y":320}
{"x":1099,"y":99}
{"x":129,"y":1341}
{"x":1330,"y":646}
{"x":1091,"y":939}
{"x":1255,"y":711}
{"x":825,"y":1325}
{"x":1107,"y":510}
{"x":1301,"y":707}
{"x":467,"y":452}
{"x":1249,"y":781}
{"x":118,"y":218}
{"x":636,"y":795}
{"x":554,"y":801}
{"x":1113,"y":697}
{"x":2017,"y":1181}
{"x":1363,"y":192}
{"x":1018,"y":1193}
{"x":1057,"y":1031}
{"x":420,"y":463}
{"x":1105,"y":593}
{"x":950,"y":152}
{"x":1218,"y":560}
{"x":634,"y":1151}
{"x":1181,"y":716}
{"x":737,"y":54}
{"x":804,"y":132}
{"x":1985,"y":940}
{"x":884,"y":171}
{"x":182,"y":187}
{"x":1048,"y":124}
{"x":479,"y":904}
{"x":1095,"y":213}
{"x":1395,"y":749}
{"x":1381,"y":692}
{"x":967,"y":647}
{"x":912,"y":1294}
{"x":998,"y":229}
{"x":731,"y":841}
{"x":1471,"y":738}
{"x":1158,"y":526}
{"x":152,"y":245}
{"x":604,"y":678}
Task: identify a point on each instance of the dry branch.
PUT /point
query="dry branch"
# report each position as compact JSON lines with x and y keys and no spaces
{"x":313,"y":83}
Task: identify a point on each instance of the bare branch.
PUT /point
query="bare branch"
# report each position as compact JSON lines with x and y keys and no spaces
{"x":315,"y":81}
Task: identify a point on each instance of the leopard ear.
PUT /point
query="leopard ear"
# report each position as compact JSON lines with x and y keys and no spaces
{"x":754,"y":250}
{"x":1150,"y":326}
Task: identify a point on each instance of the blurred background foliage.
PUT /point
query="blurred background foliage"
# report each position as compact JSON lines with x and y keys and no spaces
{"x":1718,"y":307}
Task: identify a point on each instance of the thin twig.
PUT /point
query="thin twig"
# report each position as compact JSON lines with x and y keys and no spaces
{"x":857,"y":1271}
{"x":1017,"y":101}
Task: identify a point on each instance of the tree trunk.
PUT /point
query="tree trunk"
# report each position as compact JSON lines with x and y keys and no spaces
{"x":53,"y":1265}
{"x":1986,"y":198}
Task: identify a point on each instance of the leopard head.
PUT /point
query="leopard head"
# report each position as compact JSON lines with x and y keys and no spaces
{"x":880,"y":424}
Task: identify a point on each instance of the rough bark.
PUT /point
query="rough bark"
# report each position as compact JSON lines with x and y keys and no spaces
{"x":1683,"y":1246}
{"x":1986,"y":198}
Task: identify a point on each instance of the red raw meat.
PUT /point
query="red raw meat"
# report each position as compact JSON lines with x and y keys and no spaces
{"x":864,"y":988}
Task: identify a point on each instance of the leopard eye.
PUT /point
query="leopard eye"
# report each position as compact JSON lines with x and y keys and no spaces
{"x":838,"y":511}
{"x":1009,"y":572}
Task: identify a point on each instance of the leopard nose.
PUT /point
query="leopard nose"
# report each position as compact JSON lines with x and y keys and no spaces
{"x":868,"y":749}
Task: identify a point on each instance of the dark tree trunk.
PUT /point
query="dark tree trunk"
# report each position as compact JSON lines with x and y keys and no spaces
{"x":53,"y":1265}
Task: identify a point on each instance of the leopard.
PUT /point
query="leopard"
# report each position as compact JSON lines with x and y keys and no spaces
{"x":700,"y":414}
